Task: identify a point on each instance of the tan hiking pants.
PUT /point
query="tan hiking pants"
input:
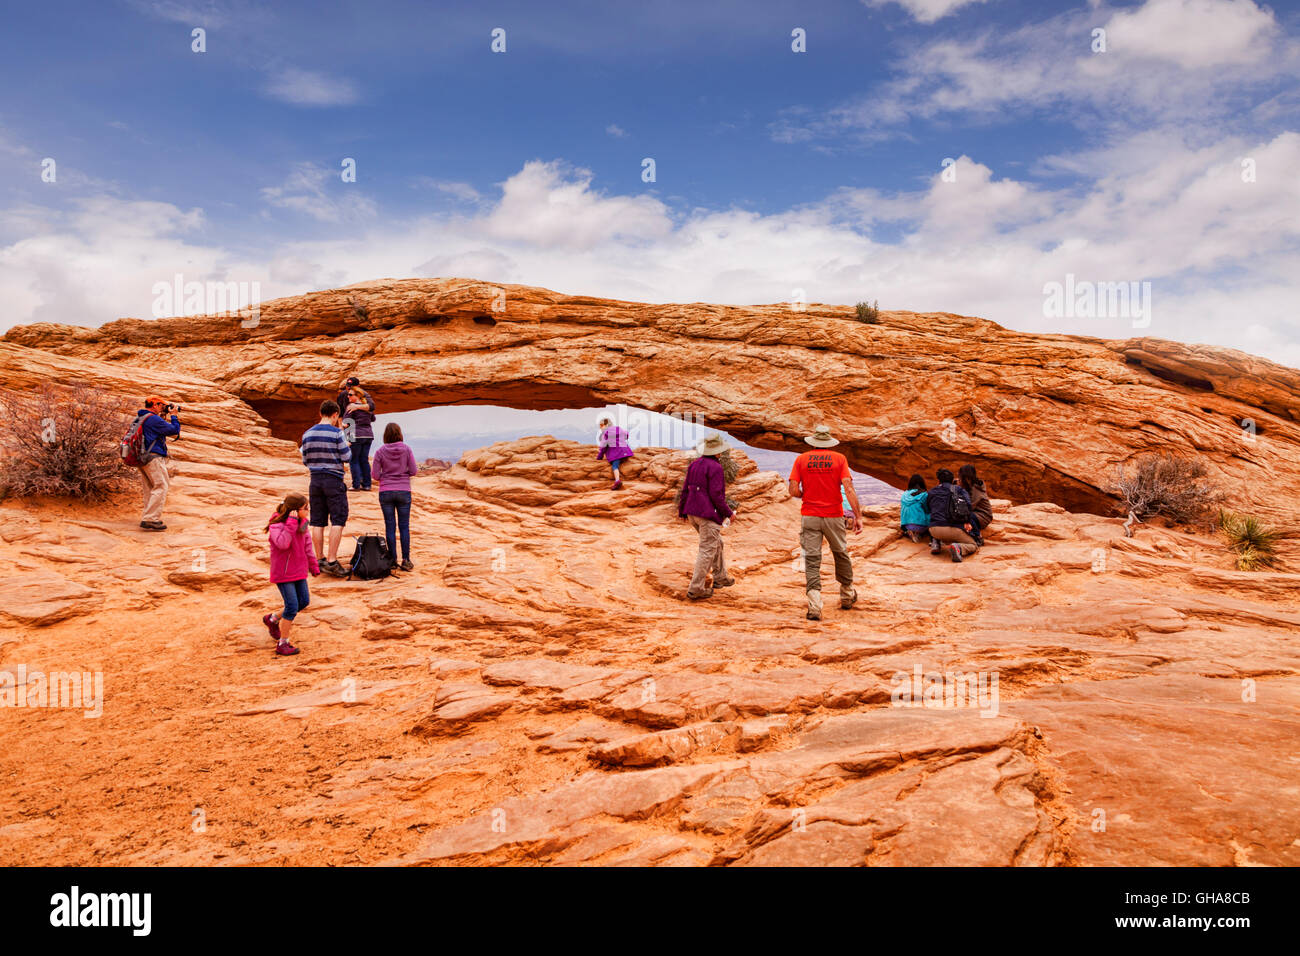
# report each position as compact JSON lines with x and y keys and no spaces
{"x":955,"y":536}
{"x":153,"y":486}
{"x":710,"y":556}
{"x":811,"y":532}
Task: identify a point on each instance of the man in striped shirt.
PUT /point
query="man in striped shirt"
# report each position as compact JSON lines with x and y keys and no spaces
{"x":326,"y":454}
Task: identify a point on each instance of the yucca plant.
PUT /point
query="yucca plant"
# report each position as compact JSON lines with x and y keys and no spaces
{"x":1253,"y":544}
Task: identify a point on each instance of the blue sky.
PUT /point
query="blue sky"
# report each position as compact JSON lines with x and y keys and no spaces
{"x":776,"y":171}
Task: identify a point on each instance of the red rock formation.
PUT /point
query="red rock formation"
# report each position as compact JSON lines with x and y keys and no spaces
{"x":539,"y":690}
{"x":1050,"y":417}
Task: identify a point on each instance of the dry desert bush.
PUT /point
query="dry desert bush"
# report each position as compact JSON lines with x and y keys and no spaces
{"x":1168,"y":485}
{"x":61,"y":441}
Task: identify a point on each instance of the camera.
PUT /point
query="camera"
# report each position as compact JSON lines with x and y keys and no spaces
{"x":171,"y":408}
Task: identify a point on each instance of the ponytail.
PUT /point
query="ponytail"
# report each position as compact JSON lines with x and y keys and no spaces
{"x":285,"y":508}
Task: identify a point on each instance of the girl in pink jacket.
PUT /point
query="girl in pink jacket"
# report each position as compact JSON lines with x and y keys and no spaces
{"x":292,"y":559}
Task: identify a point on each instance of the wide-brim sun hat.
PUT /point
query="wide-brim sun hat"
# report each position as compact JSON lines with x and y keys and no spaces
{"x":821,"y":437}
{"x":713,"y":445}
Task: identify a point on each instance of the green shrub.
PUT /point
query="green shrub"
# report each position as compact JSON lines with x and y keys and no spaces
{"x":869,"y":314}
{"x":1253,"y":544}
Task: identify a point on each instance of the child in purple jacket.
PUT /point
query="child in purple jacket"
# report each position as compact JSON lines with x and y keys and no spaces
{"x":292,"y":559}
{"x":613,"y":448}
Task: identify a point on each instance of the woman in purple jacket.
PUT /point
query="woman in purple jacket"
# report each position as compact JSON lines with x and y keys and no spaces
{"x":613,"y":448}
{"x":703,"y":503}
{"x":394,"y":468}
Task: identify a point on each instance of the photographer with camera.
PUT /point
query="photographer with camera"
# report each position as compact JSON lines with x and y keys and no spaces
{"x":154,"y":471}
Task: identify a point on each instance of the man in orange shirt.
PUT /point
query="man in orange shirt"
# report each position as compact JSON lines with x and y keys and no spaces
{"x":818,"y":477}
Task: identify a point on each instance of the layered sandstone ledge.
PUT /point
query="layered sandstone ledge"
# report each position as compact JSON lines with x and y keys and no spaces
{"x":538,"y":690}
{"x":1051,"y":416}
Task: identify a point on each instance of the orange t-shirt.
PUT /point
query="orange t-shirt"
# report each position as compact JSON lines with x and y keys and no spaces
{"x":821,"y":472}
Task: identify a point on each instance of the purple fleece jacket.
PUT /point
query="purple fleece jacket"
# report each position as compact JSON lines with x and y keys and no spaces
{"x":394,"y":467}
{"x":613,"y":444}
{"x":705,"y":495}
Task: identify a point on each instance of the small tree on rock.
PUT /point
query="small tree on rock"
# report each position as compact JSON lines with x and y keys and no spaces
{"x":1164,"y":484}
{"x":61,"y":441}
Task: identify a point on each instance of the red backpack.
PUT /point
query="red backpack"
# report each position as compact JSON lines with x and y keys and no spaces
{"x":132,"y":450}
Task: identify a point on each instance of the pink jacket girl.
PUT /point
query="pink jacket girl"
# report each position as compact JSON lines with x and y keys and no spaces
{"x":292,"y":559}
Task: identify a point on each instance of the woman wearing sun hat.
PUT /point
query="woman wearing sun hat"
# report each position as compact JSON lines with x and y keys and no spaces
{"x":703,"y":503}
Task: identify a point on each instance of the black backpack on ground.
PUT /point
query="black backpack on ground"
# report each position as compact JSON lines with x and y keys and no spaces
{"x":371,"y":560}
{"x":948,"y":505}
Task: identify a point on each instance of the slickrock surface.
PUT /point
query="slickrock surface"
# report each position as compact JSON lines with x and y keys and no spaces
{"x":1051,"y":415}
{"x":538,"y":690}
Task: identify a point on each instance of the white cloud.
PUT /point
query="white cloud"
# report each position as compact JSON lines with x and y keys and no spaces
{"x":321,"y":194}
{"x":1168,"y":61}
{"x":616,"y":131}
{"x":309,"y":88}
{"x":1223,"y":255}
{"x":204,"y":13}
{"x":924,"y":11}
{"x":1193,"y":34}
{"x":457,"y":190}
{"x":540,"y":205}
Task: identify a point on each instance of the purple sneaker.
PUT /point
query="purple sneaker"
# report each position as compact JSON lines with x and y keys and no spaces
{"x":285,"y":649}
{"x":272,"y":625}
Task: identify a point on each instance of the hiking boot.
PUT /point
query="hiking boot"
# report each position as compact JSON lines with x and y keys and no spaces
{"x":814,"y":605}
{"x":935,"y":546}
{"x":618,"y":483}
{"x":848,"y":597}
{"x":956,"y":553}
{"x":406,"y":565}
{"x":153,"y":526}
{"x":334,"y":568}
{"x":285,"y":649}
{"x":273,"y":626}
{"x":701,"y":596}
{"x":724,"y":583}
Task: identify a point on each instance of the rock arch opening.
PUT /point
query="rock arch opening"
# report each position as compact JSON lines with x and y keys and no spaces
{"x":442,"y":434}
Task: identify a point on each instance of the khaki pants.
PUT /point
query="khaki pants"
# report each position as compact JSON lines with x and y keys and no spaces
{"x":812,"y":530}
{"x":710,"y":556}
{"x":153,"y":485}
{"x":955,"y":536}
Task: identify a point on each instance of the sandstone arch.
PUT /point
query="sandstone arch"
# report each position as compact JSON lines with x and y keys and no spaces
{"x":1047,"y":417}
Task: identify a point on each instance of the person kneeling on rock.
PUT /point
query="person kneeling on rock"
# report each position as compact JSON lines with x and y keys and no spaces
{"x":703,"y":503}
{"x":951,"y":518}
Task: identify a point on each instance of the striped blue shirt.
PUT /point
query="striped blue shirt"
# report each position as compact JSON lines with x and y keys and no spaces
{"x":324,"y":449}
